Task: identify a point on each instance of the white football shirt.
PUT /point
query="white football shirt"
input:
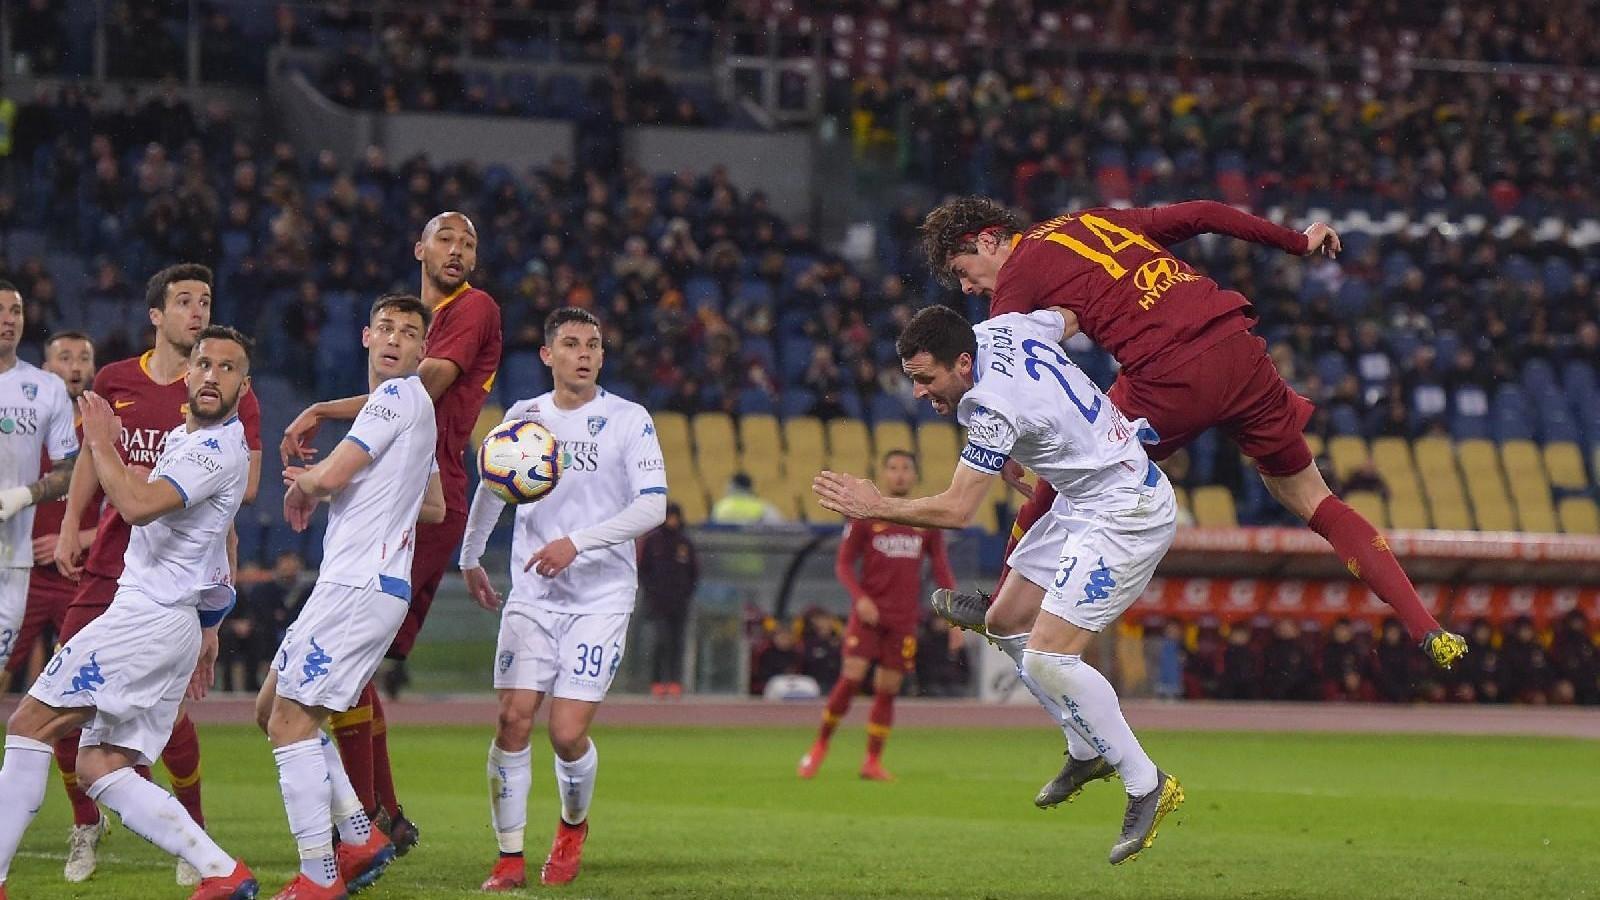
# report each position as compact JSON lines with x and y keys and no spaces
{"x":372,"y":522}
{"x":1031,"y":403}
{"x":35,"y":418}
{"x":611,"y":455}
{"x":181,"y":559}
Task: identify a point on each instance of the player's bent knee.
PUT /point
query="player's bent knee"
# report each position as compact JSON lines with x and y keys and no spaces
{"x":569,"y":742}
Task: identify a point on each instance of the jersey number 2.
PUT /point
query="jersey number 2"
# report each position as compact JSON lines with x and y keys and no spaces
{"x":1031,"y":348}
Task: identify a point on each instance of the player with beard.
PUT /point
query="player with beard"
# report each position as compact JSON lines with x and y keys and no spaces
{"x":463,"y":354}
{"x":122,"y":679}
{"x":68,"y":355}
{"x":147,"y":393}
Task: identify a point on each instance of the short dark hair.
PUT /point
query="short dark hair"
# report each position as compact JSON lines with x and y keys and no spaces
{"x":953,"y":228}
{"x":566,"y":315}
{"x":402,"y":303}
{"x":940,"y":331}
{"x":8,"y":286}
{"x":896,"y":451}
{"x":155,"y":290}
{"x":227,"y":333}
{"x":68,"y":335}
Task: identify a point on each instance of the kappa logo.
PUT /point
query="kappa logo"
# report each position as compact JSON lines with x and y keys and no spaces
{"x":30,"y":390}
{"x":316,"y":664}
{"x":1099,"y":586}
{"x":506,"y":659}
{"x":595,"y":424}
{"x":649,"y":428}
{"x":88,"y":677}
{"x":212,"y":443}
{"x":391,"y":390}
{"x":616,"y":660}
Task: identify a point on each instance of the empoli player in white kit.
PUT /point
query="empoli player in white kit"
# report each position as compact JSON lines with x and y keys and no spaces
{"x":35,"y":416}
{"x":574,"y":574}
{"x":1010,"y":384}
{"x":124,"y":675}
{"x":380,"y":481}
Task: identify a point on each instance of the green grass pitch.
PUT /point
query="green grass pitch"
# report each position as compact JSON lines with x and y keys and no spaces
{"x":718,"y":812}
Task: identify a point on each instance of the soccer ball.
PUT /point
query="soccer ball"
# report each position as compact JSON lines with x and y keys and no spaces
{"x":520,"y":461}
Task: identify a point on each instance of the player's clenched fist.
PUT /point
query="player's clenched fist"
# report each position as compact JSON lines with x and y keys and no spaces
{"x":1320,"y":236}
{"x":846,"y":494}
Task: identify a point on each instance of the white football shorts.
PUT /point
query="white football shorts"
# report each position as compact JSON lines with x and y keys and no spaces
{"x":13,"y":606}
{"x":1094,"y":565}
{"x":573,"y":656}
{"x":336,"y":645}
{"x":132,"y":664}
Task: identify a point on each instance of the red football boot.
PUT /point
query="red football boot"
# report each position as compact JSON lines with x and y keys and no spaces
{"x":239,"y":884}
{"x":812,"y":761}
{"x":510,"y":873}
{"x":566,"y":853}
{"x":360,"y":866}
{"x":873,"y":770}
{"x":303,"y":888}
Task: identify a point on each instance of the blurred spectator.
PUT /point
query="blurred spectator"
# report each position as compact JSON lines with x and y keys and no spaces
{"x":1346,"y":673}
{"x":1478,"y":676}
{"x":1287,"y":668}
{"x":779,"y":654}
{"x":1394,"y":677}
{"x":740,"y":506}
{"x":251,"y":635}
{"x":1202,"y":666}
{"x":1241,"y":666}
{"x":669,"y":571}
{"x":1576,"y":659}
{"x":823,"y":640}
{"x":1527,"y":666}
{"x":1169,"y":663}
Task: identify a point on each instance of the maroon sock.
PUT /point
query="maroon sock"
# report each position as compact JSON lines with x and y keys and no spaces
{"x":382,"y":776}
{"x":1368,"y":557}
{"x":182,"y":759}
{"x":353,"y":730}
{"x":84,"y":810}
{"x":879,"y":721}
{"x":838,"y":704}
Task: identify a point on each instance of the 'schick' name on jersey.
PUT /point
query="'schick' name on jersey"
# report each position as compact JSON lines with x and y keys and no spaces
{"x":142,"y":446}
{"x":19,"y":420}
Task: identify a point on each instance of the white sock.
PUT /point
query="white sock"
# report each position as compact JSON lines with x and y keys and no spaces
{"x":1091,"y":704}
{"x":23,"y":777}
{"x":1077,"y":746}
{"x":575,"y":781}
{"x":159,"y":818}
{"x":303,"y":778}
{"x":355,"y":828}
{"x":510,"y":779}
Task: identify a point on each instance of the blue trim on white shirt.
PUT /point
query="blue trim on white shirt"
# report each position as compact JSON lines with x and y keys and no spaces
{"x":210,"y":617}
{"x":359,"y":443}
{"x":652,"y":490}
{"x":983,"y":459}
{"x":184,"y":495}
{"x":395,"y":587}
{"x":1152,"y":477}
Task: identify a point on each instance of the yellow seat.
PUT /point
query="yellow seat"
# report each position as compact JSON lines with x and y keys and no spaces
{"x":1408,"y":512}
{"x":672,"y":430}
{"x":1563,"y":461}
{"x":1392,"y":458}
{"x":687,"y":491}
{"x":892,"y":435}
{"x":938,"y":451}
{"x":1347,"y":453}
{"x":1530,"y":489}
{"x":1370,"y":506}
{"x":1213,"y":507}
{"x":850,"y":447}
{"x":1579,"y":516}
{"x":1441,"y":482}
{"x":1486,"y":486}
{"x":759,"y":441}
{"x":1314,"y":441}
{"x":716,"y":449}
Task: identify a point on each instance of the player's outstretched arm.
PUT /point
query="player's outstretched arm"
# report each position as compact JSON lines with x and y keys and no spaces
{"x":302,"y":431}
{"x":858,"y":498}
{"x":69,"y":541}
{"x":137,"y":500}
{"x":437,"y":375}
{"x":1178,"y":222}
{"x":481,"y":518}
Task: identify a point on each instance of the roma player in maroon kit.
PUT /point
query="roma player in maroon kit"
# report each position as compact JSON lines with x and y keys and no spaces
{"x":463,"y":355}
{"x":1189,"y":359}
{"x":148,"y":393}
{"x":883,"y":614}
{"x":69,"y":355}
